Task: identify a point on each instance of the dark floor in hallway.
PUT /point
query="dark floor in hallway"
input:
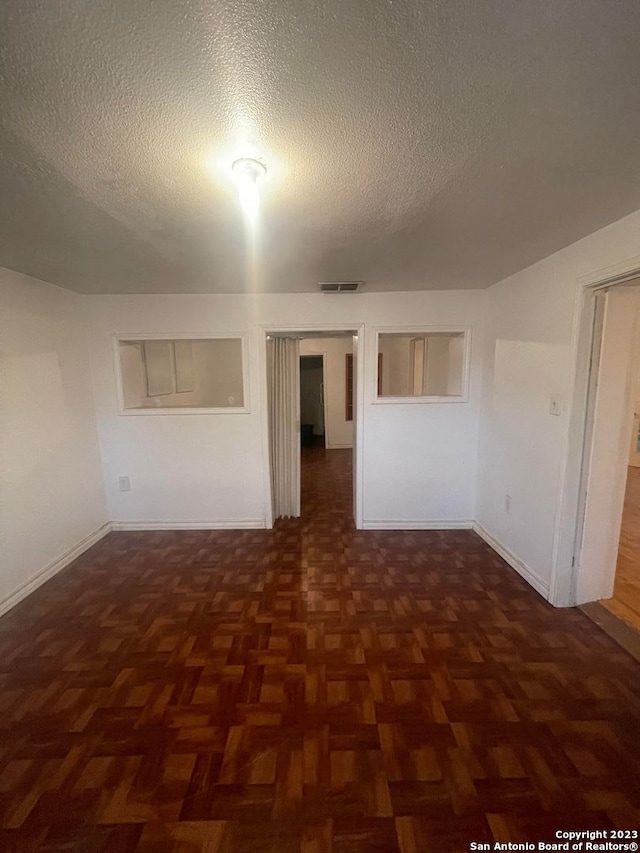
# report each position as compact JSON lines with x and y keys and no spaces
{"x":313,"y":689}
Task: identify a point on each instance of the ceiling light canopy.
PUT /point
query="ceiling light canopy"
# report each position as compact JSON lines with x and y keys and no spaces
{"x":248,"y":172}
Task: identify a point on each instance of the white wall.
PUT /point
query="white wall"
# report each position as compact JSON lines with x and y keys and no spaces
{"x":184,"y":469}
{"x":419,"y":459}
{"x":436,"y":366}
{"x":530,"y":354}
{"x":634,"y":423}
{"x":338,"y":430}
{"x":455,"y":365}
{"x":396,"y":365}
{"x":51,"y":489}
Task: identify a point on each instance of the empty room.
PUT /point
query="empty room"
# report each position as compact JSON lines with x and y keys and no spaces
{"x":319,"y":347}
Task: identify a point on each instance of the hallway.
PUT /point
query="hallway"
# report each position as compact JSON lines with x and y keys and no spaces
{"x":326,"y":487}
{"x":312,"y":688}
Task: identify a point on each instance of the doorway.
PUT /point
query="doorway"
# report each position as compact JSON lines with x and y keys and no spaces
{"x":312,"y":413}
{"x":328,"y":396}
{"x":607,"y":490}
{"x":624,"y":603}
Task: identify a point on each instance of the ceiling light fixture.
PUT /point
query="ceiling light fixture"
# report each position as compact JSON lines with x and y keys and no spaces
{"x":248,"y":172}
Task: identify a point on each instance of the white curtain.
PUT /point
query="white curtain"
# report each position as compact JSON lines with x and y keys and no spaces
{"x":283,"y":380}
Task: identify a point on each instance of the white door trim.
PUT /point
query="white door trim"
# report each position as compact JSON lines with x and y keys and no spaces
{"x":565,"y":574}
{"x":607,"y":462}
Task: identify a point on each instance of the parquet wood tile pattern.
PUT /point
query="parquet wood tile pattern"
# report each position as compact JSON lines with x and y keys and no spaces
{"x":625,"y":603}
{"x":314,"y":689}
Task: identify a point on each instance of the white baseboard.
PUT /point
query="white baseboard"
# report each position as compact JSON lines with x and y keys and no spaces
{"x":232,"y":524}
{"x":53,"y":568}
{"x":416,"y":524}
{"x":539,"y":584}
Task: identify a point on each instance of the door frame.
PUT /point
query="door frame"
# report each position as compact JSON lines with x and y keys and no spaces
{"x":358,"y":419}
{"x":568,"y":585}
{"x":323,"y":356}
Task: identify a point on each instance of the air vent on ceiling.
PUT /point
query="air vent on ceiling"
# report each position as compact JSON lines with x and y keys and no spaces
{"x":339,"y":286}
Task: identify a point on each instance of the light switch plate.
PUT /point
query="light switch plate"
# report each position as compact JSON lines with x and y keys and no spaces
{"x":555,"y":405}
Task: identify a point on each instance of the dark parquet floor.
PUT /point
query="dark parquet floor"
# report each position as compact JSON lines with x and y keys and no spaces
{"x":314,"y":689}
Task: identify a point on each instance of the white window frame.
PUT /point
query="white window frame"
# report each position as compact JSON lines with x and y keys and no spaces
{"x":419,"y":331}
{"x":133,"y":337}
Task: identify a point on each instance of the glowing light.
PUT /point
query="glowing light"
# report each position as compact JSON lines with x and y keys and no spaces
{"x":248,"y":172}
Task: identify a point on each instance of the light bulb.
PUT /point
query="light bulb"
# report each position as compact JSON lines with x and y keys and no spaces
{"x":248,"y":194}
{"x":247,"y":173}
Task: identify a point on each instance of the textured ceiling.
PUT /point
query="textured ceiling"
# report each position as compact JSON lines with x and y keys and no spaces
{"x":415,"y":144}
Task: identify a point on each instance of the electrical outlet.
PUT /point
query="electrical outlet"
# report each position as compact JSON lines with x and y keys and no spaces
{"x":507,"y":504}
{"x":124,"y":484}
